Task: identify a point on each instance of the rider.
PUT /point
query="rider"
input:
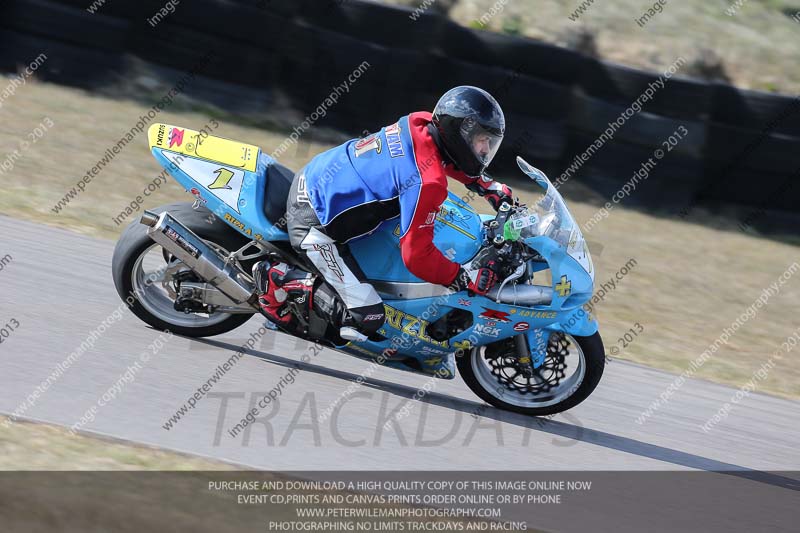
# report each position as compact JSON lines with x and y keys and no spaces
{"x":401,"y":171}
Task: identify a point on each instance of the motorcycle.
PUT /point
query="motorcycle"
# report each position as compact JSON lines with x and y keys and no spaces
{"x":528,"y":346}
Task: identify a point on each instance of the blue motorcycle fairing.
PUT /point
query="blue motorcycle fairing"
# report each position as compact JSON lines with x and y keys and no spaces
{"x":408,"y":322}
{"x":243,"y":212}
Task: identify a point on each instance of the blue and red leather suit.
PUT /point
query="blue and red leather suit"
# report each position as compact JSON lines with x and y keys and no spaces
{"x":396,"y":172}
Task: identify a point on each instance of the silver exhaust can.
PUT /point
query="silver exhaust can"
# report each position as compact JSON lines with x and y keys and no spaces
{"x":190,"y":249}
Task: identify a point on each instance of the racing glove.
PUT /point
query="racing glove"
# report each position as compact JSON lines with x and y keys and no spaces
{"x":494,"y":192}
{"x":484,"y":280}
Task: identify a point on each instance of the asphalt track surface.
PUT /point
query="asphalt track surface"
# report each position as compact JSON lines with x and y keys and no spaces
{"x":58,"y":287}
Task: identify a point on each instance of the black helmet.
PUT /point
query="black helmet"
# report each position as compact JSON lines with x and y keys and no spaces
{"x":471,"y":126}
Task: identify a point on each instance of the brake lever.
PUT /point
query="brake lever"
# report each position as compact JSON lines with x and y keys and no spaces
{"x":513,"y":277}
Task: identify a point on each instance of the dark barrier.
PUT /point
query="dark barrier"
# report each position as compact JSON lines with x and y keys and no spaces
{"x":66,"y":63}
{"x":680,"y":98}
{"x":558,"y":103}
{"x":593,"y":116}
{"x":753,"y":110}
{"x":67,"y":25}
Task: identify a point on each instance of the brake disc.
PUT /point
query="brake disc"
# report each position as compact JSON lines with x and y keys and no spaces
{"x":506,"y":369}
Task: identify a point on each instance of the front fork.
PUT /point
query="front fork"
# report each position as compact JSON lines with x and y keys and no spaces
{"x":523,"y":354}
{"x":531,"y":350}
{"x":531,"y":346}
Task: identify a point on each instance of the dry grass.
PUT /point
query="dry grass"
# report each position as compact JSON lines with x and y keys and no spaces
{"x":33,"y":446}
{"x":691,"y":280}
{"x":759,"y":46}
{"x":85,"y":127}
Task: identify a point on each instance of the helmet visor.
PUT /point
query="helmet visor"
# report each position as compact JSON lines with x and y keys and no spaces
{"x":484,"y":143}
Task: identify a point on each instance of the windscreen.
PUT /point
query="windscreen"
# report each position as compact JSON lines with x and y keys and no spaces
{"x":551,"y":218}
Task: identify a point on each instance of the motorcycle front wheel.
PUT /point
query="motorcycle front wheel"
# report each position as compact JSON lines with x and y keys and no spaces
{"x":571,"y":371}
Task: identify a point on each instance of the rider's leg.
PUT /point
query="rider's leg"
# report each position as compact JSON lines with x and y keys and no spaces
{"x":306,"y":236}
{"x":361,"y":300}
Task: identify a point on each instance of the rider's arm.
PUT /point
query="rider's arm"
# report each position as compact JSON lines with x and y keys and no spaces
{"x":420,"y":255}
{"x":494,"y":191}
{"x":451,"y":172}
{"x":419,"y":204}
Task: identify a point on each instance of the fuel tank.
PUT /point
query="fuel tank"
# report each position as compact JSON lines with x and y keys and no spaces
{"x":457,"y":234}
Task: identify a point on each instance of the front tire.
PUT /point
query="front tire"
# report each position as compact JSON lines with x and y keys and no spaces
{"x":145,"y":293}
{"x":490,"y":384}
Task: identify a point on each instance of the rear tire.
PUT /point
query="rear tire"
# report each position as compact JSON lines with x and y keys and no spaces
{"x":591,"y":354}
{"x":134,"y":243}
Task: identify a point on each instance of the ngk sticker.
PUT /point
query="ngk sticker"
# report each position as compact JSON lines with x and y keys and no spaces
{"x":489,"y":331}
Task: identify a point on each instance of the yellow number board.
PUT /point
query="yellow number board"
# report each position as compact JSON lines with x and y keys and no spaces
{"x":203,"y":146}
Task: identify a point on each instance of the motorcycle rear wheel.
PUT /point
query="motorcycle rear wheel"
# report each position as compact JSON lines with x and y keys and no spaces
{"x":135,"y":253}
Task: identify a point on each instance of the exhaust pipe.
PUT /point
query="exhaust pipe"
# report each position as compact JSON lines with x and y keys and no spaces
{"x":522,"y":294}
{"x":185,"y":245}
{"x":513,"y":294}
